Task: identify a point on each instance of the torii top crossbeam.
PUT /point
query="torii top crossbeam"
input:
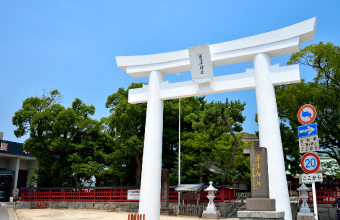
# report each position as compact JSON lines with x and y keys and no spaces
{"x":275,"y":43}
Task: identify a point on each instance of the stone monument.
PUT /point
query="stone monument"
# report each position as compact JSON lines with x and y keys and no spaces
{"x":211,"y":211}
{"x":260,"y":206}
{"x":259,"y":200}
{"x":165,"y":210}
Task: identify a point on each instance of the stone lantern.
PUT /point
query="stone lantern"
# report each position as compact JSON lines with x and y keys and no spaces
{"x":211,"y":211}
{"x":304,"y":196}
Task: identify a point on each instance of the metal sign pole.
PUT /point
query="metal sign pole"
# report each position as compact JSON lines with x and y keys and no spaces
{"x":179,"y":146}
{"x":309,"y":142}
{"x":314,"y":201}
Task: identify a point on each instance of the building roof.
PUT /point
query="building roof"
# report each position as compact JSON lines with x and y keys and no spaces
{"x":189,"y":187}
{"x":14,"y":149}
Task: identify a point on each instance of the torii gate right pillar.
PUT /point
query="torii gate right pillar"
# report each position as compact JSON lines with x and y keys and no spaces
{"x":269,"y":133}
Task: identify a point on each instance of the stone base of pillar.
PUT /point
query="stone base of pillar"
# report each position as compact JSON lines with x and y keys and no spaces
{"x":305,"y":216}
{"x":260,"y":204}
{"x":260,"y":215}
{"x":167,"y":211}
{"x":211,"y":214}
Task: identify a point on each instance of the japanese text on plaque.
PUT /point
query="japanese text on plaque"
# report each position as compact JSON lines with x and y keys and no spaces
{"x":256,"y":174}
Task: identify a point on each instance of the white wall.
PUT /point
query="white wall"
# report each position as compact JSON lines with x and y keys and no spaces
{"x":9,"y":163}
{"x":23,"y":164}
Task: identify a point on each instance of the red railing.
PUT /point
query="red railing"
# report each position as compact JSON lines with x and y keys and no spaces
{"x":106,"y":194}
{"x":136,"y":217}
{"x":222,"y":194}
{"x":325,"y":193}
{"x":75,"y":194}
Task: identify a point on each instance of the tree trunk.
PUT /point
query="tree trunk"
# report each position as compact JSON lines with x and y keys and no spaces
{"x":201,"y":168}
{"x":224,"y":177}
{"x":138,"y":159}
{"x":230,"y":163}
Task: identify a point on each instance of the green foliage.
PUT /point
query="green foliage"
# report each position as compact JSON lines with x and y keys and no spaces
{"x":331,"y":168}
{"x":323,"y":93}
{"x":126,"y":125}
{"x":202,"y":126}
{"x":189,"y":107}
{"x":70,"y":147}
{"x":210,"y":150}
{"x":324,"y":59}
{"x":239,"y":170}
{"x":197,"y":148}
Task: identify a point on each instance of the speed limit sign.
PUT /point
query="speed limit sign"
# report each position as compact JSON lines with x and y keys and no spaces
{"x":310,"y":162}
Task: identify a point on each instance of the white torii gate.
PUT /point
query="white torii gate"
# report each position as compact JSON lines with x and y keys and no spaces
{"x":259,"y":48}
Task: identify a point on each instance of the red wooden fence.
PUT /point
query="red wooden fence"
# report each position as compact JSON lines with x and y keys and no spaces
{"x":222,"y":194}
{"x":325,"y":193}
{"x":75,"y":194}
{"x":136,"y":217}
{"x":106,"y":194}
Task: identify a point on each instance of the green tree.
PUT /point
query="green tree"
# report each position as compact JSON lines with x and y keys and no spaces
{"x":127,"y":123}
{"x":215,"y":125}
{"x":324,"y":59}
{"x":323,"y":93}
{"x":189,"y":107}
{"x":69,"y":145}
{"x":222,"y":152}
{"x":196,"y":155}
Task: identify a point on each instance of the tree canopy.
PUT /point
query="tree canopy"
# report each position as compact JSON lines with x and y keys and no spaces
{"x":210,"y":148}
{"x":126,"y":125}
{"x":69,"y":145}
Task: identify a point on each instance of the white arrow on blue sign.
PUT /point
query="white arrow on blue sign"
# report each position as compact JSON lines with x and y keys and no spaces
{"x":307,"y":130}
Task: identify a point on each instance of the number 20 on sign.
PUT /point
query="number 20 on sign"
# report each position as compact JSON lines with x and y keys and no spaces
{"x":310,"y":162}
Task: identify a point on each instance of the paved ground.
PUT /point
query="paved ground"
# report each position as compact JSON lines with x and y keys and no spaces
{"x":12,"y":214}
{"x":7,"y":212}
{"x":4,"y":213}
{"x":83,"y":214}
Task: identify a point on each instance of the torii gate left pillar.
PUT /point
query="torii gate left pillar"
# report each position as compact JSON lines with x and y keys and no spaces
{"x":152,"y":153}
{"x":263,"y":77}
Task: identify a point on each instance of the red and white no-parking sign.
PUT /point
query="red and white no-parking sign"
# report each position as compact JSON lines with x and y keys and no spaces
{"x":306,"y":114}
{"x":310,"y":162}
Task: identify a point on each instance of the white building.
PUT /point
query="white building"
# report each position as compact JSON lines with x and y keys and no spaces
{"x":16,"y":165}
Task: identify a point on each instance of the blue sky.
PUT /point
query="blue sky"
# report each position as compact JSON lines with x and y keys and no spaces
{"x":71,"y":45}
